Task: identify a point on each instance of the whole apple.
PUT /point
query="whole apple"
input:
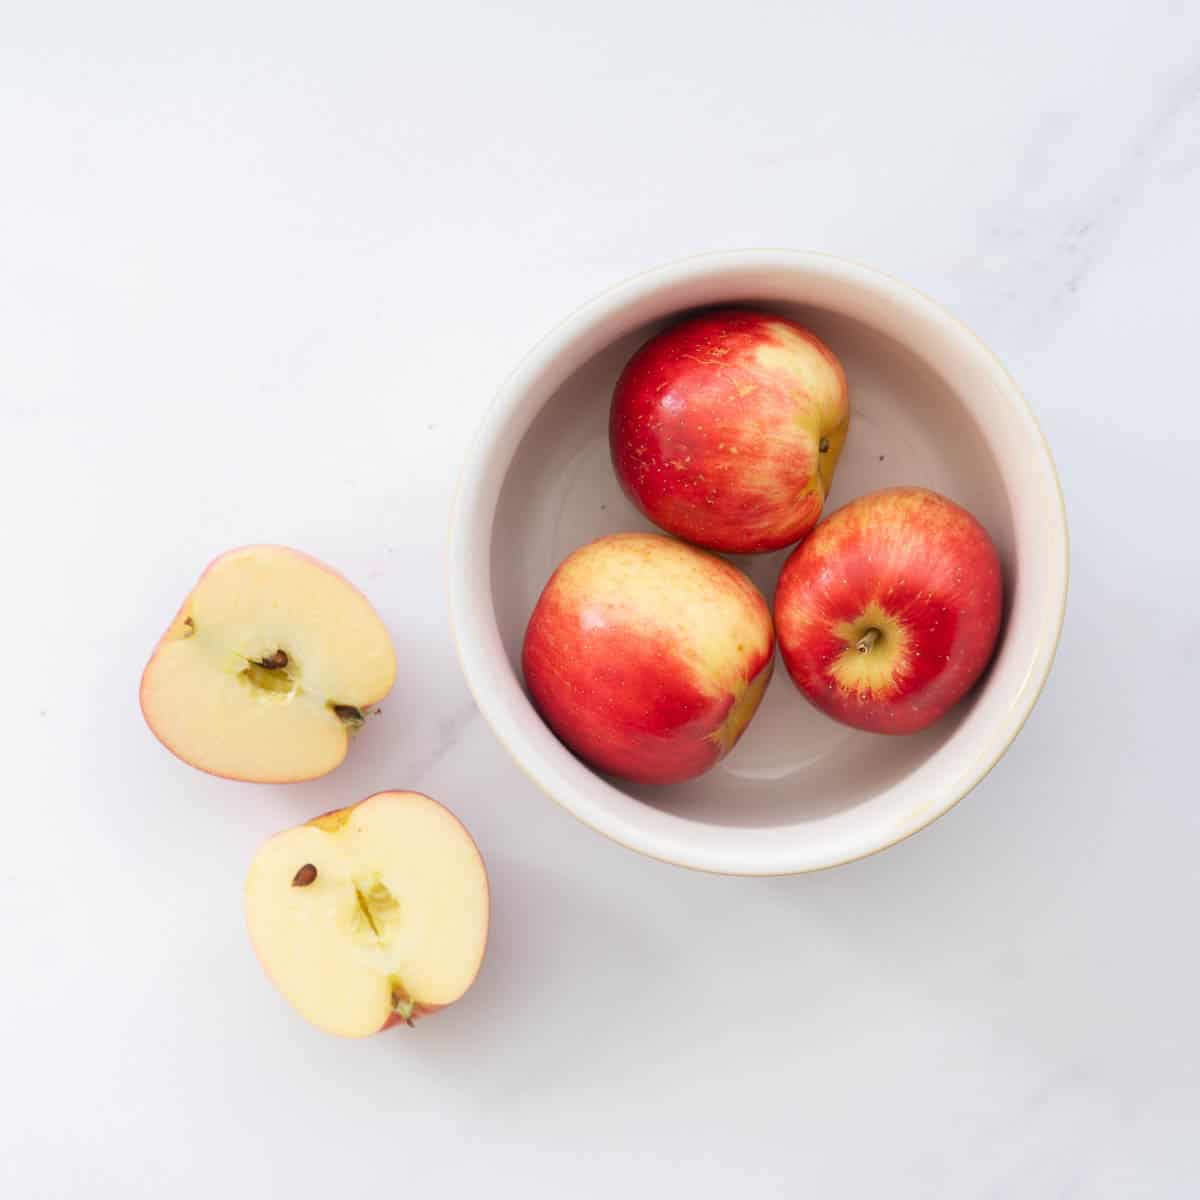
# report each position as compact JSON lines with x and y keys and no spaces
{"x":889,"y":611}
{"x":648,"y":657}
{"x":726,"y":428}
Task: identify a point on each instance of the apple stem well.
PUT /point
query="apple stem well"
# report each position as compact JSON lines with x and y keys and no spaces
{"x":865,"y":643}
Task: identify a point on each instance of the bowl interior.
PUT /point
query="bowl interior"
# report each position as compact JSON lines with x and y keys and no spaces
{"x":930,"y":405}
{"x":908,"y":426}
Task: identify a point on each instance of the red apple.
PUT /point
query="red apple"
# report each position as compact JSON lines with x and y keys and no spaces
{"x":726,"y":428}
{"x":648,"y":657}
{"x":371,"y":915}
{"x":889,"y":611}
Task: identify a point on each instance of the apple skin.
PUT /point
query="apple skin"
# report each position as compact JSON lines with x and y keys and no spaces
{"x":717,"y":428}
{"x":648,"y":657}
{"x":919,"y":569}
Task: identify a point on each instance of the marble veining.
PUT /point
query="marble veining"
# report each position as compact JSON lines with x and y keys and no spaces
{"x":261,"y":271}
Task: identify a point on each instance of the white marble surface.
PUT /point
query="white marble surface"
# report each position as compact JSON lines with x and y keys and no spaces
{"x":261,"y":269}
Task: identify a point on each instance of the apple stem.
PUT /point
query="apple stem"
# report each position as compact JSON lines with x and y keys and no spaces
{"x":402,"y":1004}
{"x":867,"y":641}
{"x":348,"y":714}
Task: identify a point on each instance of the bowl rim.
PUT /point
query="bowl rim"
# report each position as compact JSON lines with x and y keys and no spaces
{"x":466,"y":565}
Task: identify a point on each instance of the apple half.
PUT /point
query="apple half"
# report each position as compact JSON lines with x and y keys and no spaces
{"x":267,"y":669}
{"x":370,"y":916}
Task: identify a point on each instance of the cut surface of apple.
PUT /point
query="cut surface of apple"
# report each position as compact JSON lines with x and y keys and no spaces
{"x":372,"y":915}
{"x":268,"y":668}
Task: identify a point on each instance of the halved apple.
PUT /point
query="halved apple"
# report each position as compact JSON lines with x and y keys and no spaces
{"x":370,"y":915}
{"x":267,"y":669}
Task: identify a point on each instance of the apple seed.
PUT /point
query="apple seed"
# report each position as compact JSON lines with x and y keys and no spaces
{"x":304,"y":876}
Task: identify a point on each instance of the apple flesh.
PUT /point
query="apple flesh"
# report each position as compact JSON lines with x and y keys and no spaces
{"x":888,"y":613}
{"x":648,"y":657}
{"x":726,"y":428}
{"x":269,"y":666}
{"x":370,"y":916}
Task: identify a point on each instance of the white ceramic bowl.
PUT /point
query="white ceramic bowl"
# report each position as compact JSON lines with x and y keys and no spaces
{"x":930,"y":405}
